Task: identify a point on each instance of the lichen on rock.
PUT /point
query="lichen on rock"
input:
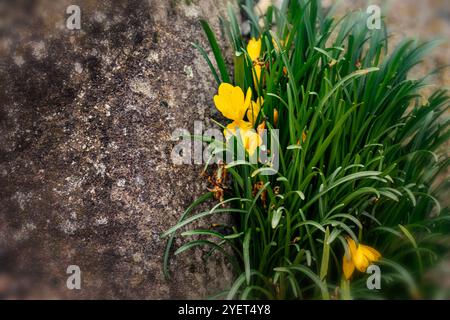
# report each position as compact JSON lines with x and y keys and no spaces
{"x":86,"y":122}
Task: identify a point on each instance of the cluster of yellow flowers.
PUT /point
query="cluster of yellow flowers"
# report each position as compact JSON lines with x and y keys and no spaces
{"x":232,"y":103}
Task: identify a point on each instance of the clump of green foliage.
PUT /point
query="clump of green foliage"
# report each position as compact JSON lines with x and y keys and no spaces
{"x":362,"y":156}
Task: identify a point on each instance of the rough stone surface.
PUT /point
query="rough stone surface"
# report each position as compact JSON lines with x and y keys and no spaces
{"x":86,"y":119}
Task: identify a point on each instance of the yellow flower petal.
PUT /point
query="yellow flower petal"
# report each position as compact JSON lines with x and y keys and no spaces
{"x":257,"y":74}
{"x":253,"y":111}
{"x":252,"y":141}
{"x":254,"y":51}
{"x":275,"y":45}
{"x":359,"y":260}
{"x":254,"y":48}
{"x":347,"y":267}
{"x":351,"y":245}
{"x":248,"y":99}
{"x":231,"y":128}
{"x":230,"y":101}
{"x":370,"y":253}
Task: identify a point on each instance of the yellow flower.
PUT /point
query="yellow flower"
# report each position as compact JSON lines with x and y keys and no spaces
{"x":258,"y":70}
{"x":230,"y":129}
{"x":230,"y":101}
{"x":253,"y":111}
{"x":254,"y":51}
{"x":254,"y":48}
{"x":250,"y":139}
{"x":361,"y":257}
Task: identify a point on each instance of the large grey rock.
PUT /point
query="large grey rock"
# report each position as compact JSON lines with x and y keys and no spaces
{"x":85,"y":137}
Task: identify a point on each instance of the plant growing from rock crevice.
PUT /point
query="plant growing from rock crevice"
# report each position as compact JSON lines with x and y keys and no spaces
{"x":359,"y":149}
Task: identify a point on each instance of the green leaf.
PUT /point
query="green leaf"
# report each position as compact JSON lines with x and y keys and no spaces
{"x":170,"y":240}
{"x":216,"y":51}
{"x":239,"y":72}
{"x":277,"y":217}
{"x":208,"y":61}
{"x":306,"y":271}
{"x":246,"y":250}
{"x":325,"y":255}
{"x":263,"y":171}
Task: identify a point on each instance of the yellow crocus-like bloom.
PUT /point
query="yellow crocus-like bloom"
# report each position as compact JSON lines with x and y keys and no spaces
{"x":361,"y":256}
{"x":253,"y":111}
{"x":250,"y":138}
{"x":254,"y":48}
{"x":251,"y":141}
{"x":254,"y":51}
{"x":230,"y":101}
{"x":230,"y":129}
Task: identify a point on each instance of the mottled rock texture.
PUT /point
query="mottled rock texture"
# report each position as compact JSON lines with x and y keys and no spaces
{"x":86,"y":118}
